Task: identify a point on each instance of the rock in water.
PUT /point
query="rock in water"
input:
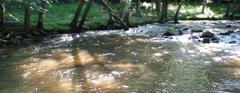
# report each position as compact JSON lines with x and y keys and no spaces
{"x":185,"y":29}
{"x":233,"y":42}
{"x":228,"y":26}
{"x":197,"y":30}
{"x":168,"y":34}
{"x":180,"y":32}
{"x":207,"y":35}
{"x":227,"y":33}
{"x":206,"y":40}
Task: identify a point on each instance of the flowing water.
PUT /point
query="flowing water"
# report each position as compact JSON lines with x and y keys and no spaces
{"x":115,"y":61}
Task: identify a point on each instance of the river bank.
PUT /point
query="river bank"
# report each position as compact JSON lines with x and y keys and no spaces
{"x":198,"y":28}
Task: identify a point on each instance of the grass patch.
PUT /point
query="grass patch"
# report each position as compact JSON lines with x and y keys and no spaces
{"x":59,"y":16}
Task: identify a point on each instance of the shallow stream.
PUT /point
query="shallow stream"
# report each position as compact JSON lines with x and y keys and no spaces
{"x":139,"y":60}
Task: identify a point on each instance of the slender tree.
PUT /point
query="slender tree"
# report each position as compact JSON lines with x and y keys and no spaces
{"x":227,"y":12}
{"x":157,"y":7}
{"x":110,"y":19}
{"x":163,"y":18}
{"x":27,"y":15}
{"x":1,"y":12}
{"x":235,"y":10}
{"x":77,"y":15}
{"x":86,"y":11}
{"x":204,"y":5}
{"x":138,"y":3}
{"x":110,"y":10}
{"x":177,"y":11}
{"x":40,"y":15}
{"x":126,"y":10}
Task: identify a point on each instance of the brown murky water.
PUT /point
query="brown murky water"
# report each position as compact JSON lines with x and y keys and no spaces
{"x":109,"y":63}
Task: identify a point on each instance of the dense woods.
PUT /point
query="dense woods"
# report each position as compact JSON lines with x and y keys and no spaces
{"x":162,"y":10}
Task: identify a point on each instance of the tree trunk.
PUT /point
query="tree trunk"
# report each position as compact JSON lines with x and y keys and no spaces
{"x":110,"y":20}
{"x":227,"y":13}
{"x":163,"y":18}
{"x":86,"y":11}
{"x":138,"y":11}
{"x":40,"y":15}
{"x":27,"y":15}
{"x":235,"y":10}
{"x":77,"y":15}
{"x":138,"y":3}
{"x":177,"y":12}
{"x":1,"y":12}
{"x":109,"y":9}
{"x":157,"y":7}
{"x":126,"y":17}
{"x":204,"y":5}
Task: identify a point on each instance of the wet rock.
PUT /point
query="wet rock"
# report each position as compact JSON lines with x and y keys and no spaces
{"x":233,"y":42}
{"x":185,"y":29}
{"x":206,"y":40}
{"x":215,"y":41}
{"x":207,"y":35}
{"x":234,"y":37}
{"x":227,"y":33}
{"x":214,"y":38}
{"x":27,"y":41}
{"x":194,"y":37}
{"x":196,"y":30}
{"x":180,"y":32}
{"x":177,"y":27}
{"x":19,"y":37}
{"x":228,"y":26}
{"x":15,"y":41}
{"x":168,"y":34}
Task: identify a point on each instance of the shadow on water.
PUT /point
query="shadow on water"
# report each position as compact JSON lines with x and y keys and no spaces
{"x":119,"y":62}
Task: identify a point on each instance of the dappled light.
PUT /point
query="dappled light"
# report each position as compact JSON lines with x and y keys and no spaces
{"x":119,"y":46}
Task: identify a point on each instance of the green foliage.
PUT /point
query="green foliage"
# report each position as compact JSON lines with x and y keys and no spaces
{"x":59,"y":13}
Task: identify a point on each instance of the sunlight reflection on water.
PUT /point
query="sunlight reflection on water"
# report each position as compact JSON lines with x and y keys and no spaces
{"x":116,"y":61}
